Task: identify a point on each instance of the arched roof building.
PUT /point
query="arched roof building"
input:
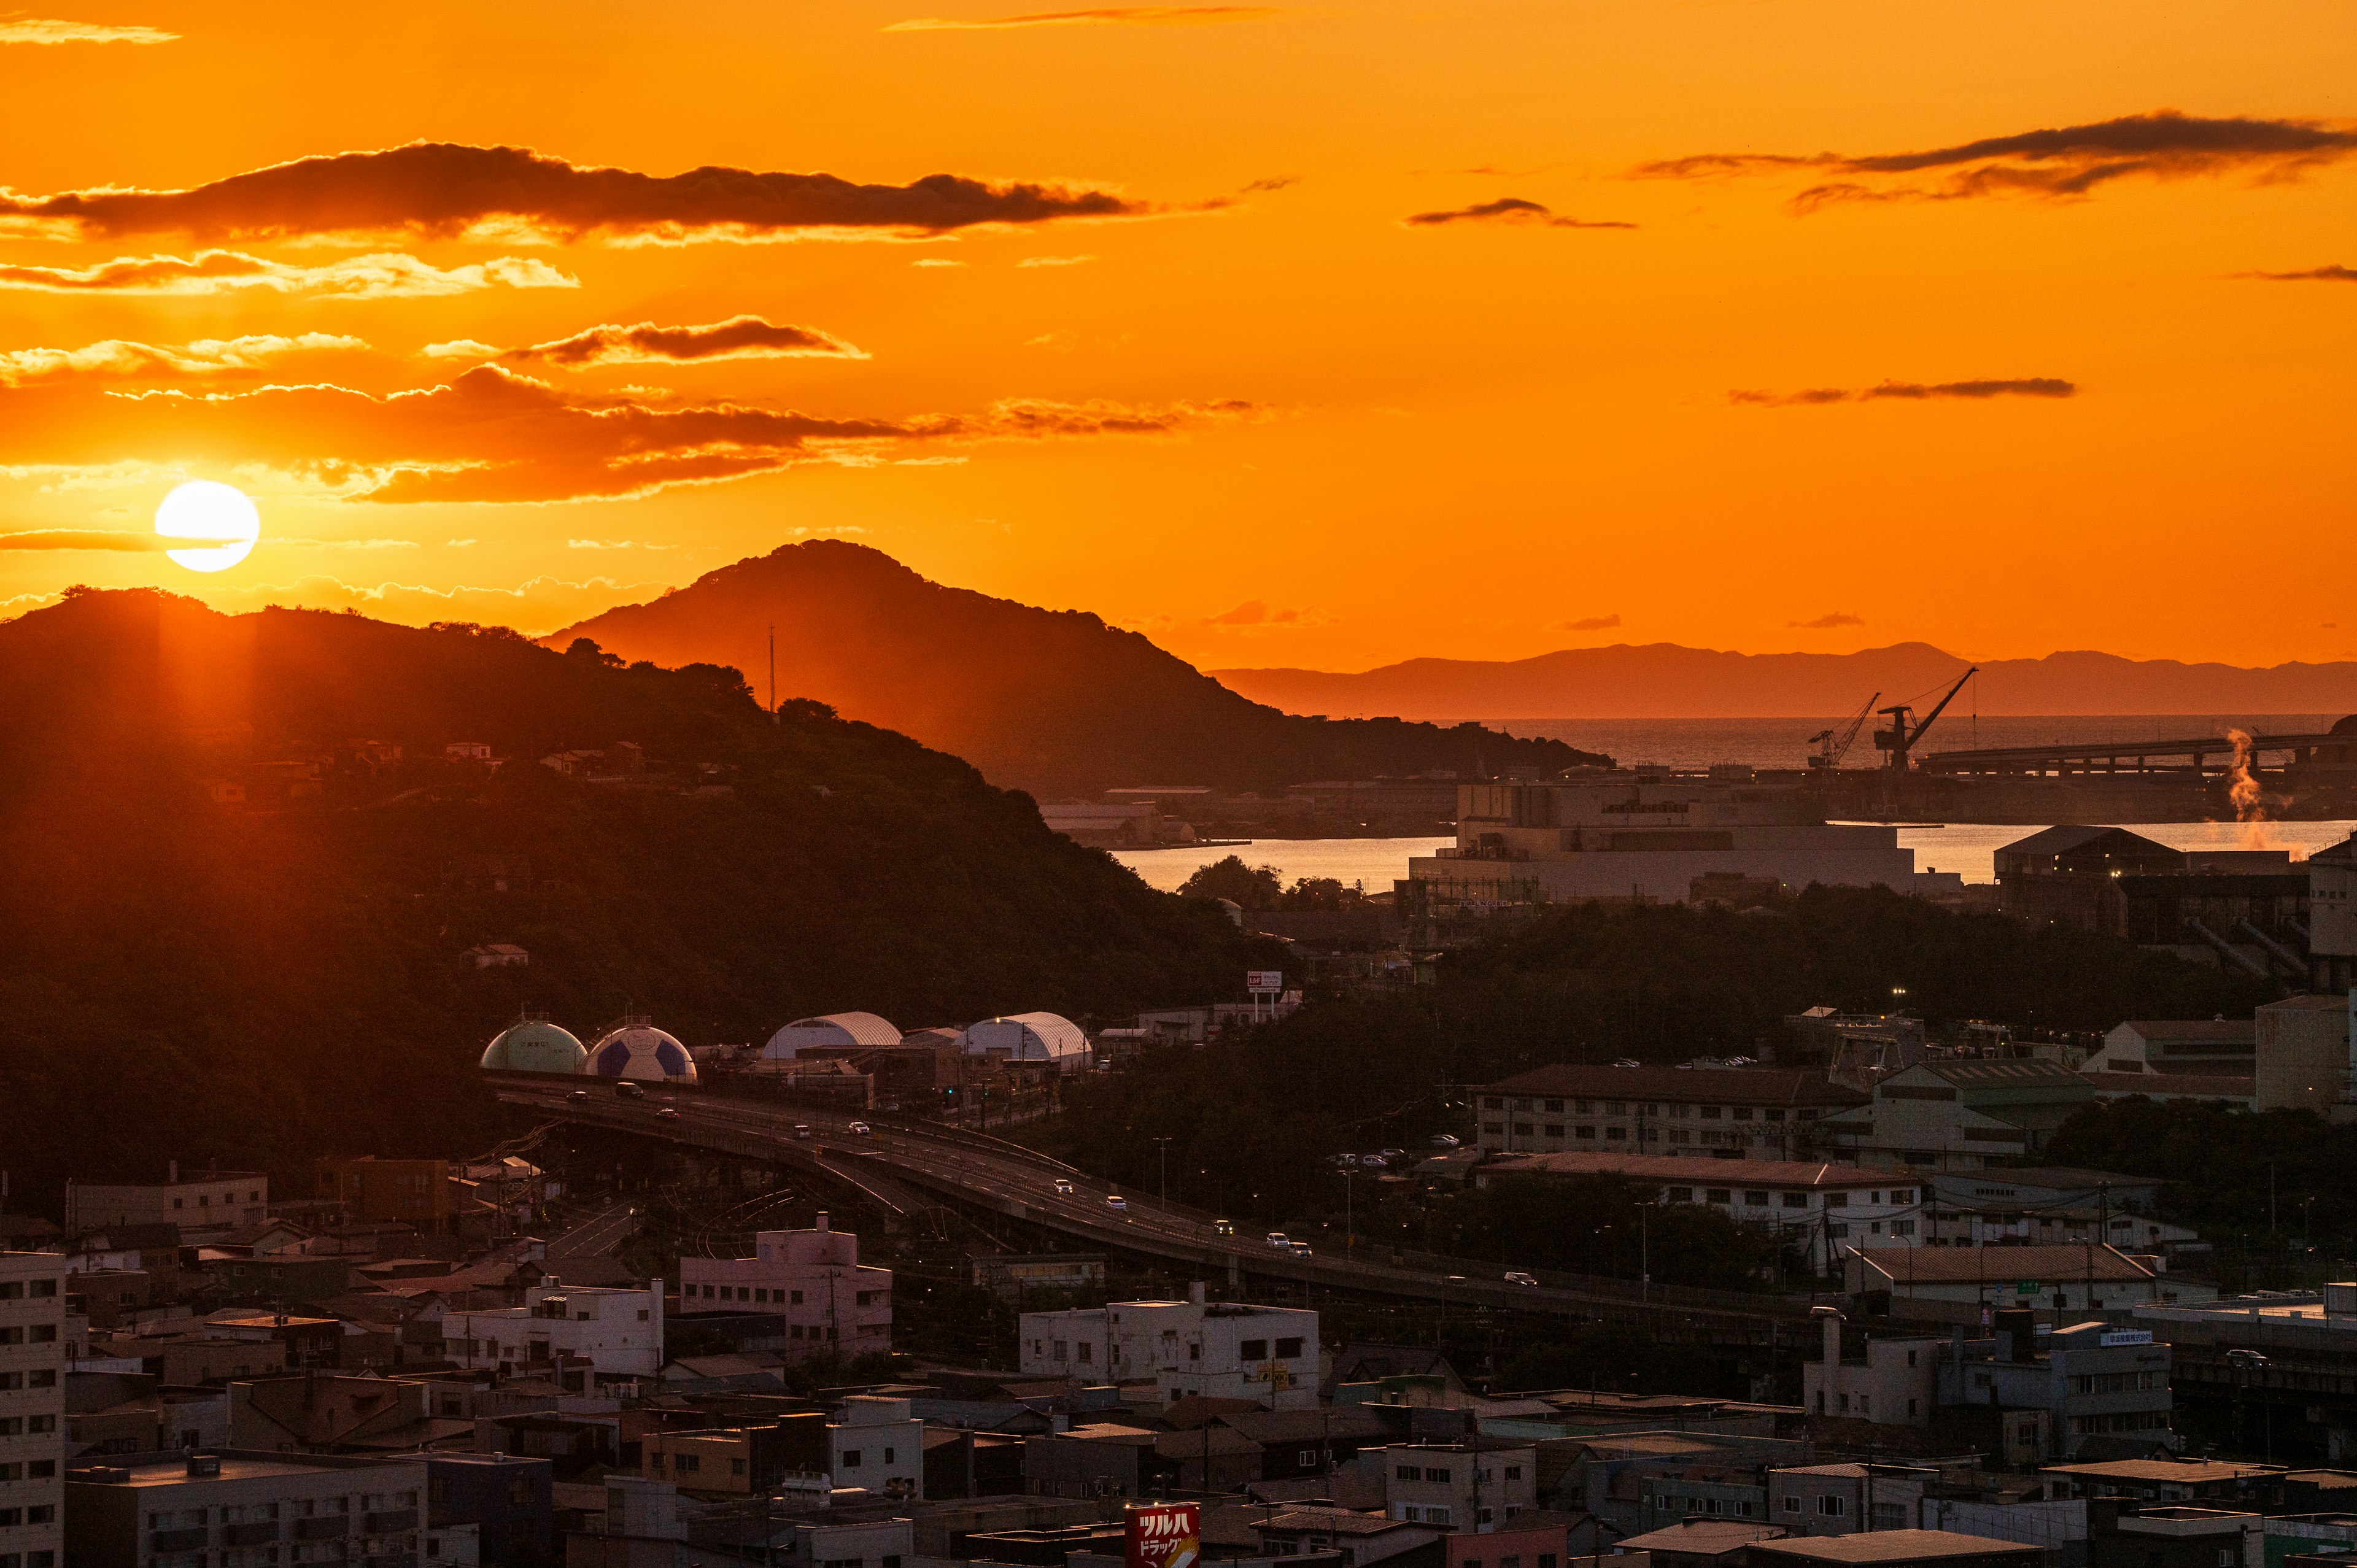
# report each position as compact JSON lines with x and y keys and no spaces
{"x":533,"y":1044}
{"x":1029,"y":1037}
{"x":635,"y":1048}
{"x":831,"y":1031}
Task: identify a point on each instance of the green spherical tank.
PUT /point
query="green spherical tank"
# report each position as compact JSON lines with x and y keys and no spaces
{"x":534,"y":1045}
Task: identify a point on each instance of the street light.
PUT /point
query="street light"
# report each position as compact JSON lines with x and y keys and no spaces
{"x":1162,"y":1161}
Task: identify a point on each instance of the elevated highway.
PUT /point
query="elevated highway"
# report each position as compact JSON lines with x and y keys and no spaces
{"x":900,"y":1157}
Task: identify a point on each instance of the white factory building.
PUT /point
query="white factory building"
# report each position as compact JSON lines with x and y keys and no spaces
{"x":1029,"y":1037}
{"x":1215,"y":1350}
{"x":1649,"y":839}
{"x":618,"y":1331}
{"x":829,"y":1032}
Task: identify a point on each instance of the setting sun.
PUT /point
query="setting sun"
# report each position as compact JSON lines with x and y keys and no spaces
{"x":219,"y":516}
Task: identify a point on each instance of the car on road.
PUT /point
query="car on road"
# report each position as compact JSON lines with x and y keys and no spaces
{"x":1300,"y":1249}
{"x":1373,"y":1162}
{"x":860,"y":1130}
{"x":1445,"y":1141}
{"x":668,"y":1113}
{"x":1117,"y":1203}
{"x":1224,"y":1226}
{"x":630,"y":1091}
{"x":578,"y":1095}
{"x":1279,"y":1243}
{"x":802,"y":1129}
{"x":1520,"y":1278}
{"x":1392,"y":1154}
{"x":1063,"y":1188}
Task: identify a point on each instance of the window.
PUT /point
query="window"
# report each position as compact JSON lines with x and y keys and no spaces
{"x":1902,"y":1227}
{"x":1791,"y":1504}
{"x":1681,"y":1195}
{"x":795,"y":1298}
{"x":1253,"y":1350}
{"x":1755,"y":1199}
{"x":1796,"y":1200}
{"x":851,"y":1458}
{"x":1743,"y":1113}
{"x":1720,"y":1195}
{"x":1836,"y":1201}
{"x":1584,"y":1132}
{"x":1288,"y":1349}
{"x":1403,"y":1471}
{"x":1830,"y":1507}
{"x":1612,"y":1132}
{"x":1553,"y":1129}
{"x":1514,"y":1472}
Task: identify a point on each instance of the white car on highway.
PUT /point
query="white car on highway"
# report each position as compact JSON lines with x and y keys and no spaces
{"x":1520,"y":1278}
{"x":1117,"y":1203}
{"x":1063,"y":1188}
{"x":860,"y":1130}
{"x":1278,"y":1243}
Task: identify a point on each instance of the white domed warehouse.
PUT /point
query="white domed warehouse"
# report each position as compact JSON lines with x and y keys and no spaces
{"x":533,"y":1044}
{"x":635,"y":1048}
{"x":829,"y":1031}
{"x":1029,"y":1037}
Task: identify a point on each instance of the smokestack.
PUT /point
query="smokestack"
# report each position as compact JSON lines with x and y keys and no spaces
{"x":821,"y":1222}
{"x":1829,"y":1321}
{"x":173,"y":1172}
{"x":1195,"y":1292}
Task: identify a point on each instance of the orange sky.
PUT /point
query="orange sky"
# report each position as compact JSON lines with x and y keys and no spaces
{"x":1267,"y":423}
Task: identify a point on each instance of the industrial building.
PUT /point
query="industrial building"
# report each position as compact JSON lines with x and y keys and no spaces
{"x":831,"y":1303}
{"x":1960,"y":1114}
{"x":1029,"y":1037}
{"x":635,"y":1049}
{"x":1267,"y":1355}
{"x":1757,"y":1112}
{"x":533,"y":1044}
{"x":830,"y":1032}
{"x":1647,"y":840}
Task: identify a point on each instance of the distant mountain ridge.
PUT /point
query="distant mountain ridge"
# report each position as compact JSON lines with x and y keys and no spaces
{"x":1666,"y":681}
{"x":1054,"y":702}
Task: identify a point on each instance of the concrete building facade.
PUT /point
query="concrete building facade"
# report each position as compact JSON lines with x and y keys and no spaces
{"x":206,"y":1208}
{"x":32,"y":1409}
{"x":152,"y":1510}
{"x":876,"y":1444}
{"x":1213,"y":1350}
{"x":831,"y":1303}
{"x":1759,"y":1113}
{"x":618,"y":1331}
{"x":1468,"y":1488}
{"x":1960,"y":1115}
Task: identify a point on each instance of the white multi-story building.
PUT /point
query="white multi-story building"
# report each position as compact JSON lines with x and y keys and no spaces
{"x":831,"y":1303}
{"x":876,"y":1443}
{"x":1216,"y":1349}
{"x":618,"y":1331}
{"x":32,"y":1410}
{"x":1469,"y":1489}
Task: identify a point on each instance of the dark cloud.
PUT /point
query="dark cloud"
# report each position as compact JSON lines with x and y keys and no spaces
{"x":2063,"y":162}
{"x":1589,"y":623}
{"x":1827,"y":622}
{"x":1275,"y":182}
{"x":440,"y":189}
{"x":2025,"y":386}
{"x":739,"y":338}
{"x":491,"y":434}
{"x":1099,"y":17}
{"x":2312,"y":275}
{"x":1509,"y":209}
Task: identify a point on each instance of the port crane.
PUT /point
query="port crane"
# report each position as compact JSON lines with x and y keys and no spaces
{"x":1833,"y":744}
{"x":1900,"y":737}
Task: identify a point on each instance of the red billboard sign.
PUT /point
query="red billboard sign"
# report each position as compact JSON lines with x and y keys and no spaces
{"x":1165,"y":1535}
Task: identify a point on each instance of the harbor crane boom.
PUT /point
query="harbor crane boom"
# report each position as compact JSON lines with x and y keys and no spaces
{"x":1833,"y":744}
{"x":1899,"y":739}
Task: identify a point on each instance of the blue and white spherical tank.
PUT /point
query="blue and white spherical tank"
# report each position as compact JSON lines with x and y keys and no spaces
{"x":638,"y":1050}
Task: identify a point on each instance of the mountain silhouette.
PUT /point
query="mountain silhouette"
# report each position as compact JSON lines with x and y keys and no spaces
{"x":1664,"y":681}
{"x":1055,"y":702}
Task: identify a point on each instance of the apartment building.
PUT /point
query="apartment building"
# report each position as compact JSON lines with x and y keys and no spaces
{"x":1757,"y":1113}
{"x":243,"y":1507}
{"x":32,"y":1410}
{"x":1215,"y":1350}
{"x":1469,"y":1488}
{"x":876,"y":1444}
{"x":831,"y":1303}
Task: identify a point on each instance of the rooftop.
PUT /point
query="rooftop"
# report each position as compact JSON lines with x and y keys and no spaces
{"x":1702,"y":1535}
{"x":1700,"y":1169}
{"x":1975,"y":1265}
{"x":1337,"y":1521}
{"x":1721,"y":1085}
{"x":1892,"y":1546}
{"x":2177,"y":1470}
{"x":2221,"y":1031}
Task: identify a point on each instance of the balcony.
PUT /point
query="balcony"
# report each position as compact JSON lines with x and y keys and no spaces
{"x":392,"y":1523}
{"x":252,"y":1532}
{"x":194,"y":1538}
{"x":323,"y":1527}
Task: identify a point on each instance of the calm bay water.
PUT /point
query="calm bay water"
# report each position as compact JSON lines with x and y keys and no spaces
{"x":1969,"y":849}
{"x":1785,"y":742}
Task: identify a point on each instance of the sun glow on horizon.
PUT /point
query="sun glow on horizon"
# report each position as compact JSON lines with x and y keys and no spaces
{"x":221,"y":517}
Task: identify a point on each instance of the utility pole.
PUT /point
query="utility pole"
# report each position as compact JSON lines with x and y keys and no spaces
{"x":1162,"y":1160}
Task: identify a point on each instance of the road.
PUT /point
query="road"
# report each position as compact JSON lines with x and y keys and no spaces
{"x":902,"y":1154}
{"x":595,"y":1237}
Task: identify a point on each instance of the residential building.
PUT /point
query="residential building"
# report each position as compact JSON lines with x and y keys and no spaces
{"x":1846,"y":1499}
{"x":205,"y":1208}
{"x":736,"y":1461}
{"x":1702,"y":1491}
{"x":2042,"y":1188}
{"x":1892,"y":1380}
{"x":831,"y":1302}
{"x":1213,"y":1350}
{"x":279,"y":1277}
{"x":2161,"y":1480}
{"x":506,"y":1498}
{"x":876,"y":1443}
{"x":2053,"y":1279}
{"x":1362,"y":1539}
{"x":2173,"y":1535}
{"x":405,"y":1192}
{"x":2092,"y":1380}
{"x":1471,"y":1486}
{"x":1827,"y":1211}
{"x":1757,"y":1113}
{"x":620,"y":1332}
{"x":32,"y":1409}
{"x":2222,"y":1047}
{"x":237,"y":1506}
{"x":1699,"y":1542}
{"x":1295,"y":1442}
{"x":325,"y":1414}
{"x":1960,"y":1114}
{"x":1893,"y":1548}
